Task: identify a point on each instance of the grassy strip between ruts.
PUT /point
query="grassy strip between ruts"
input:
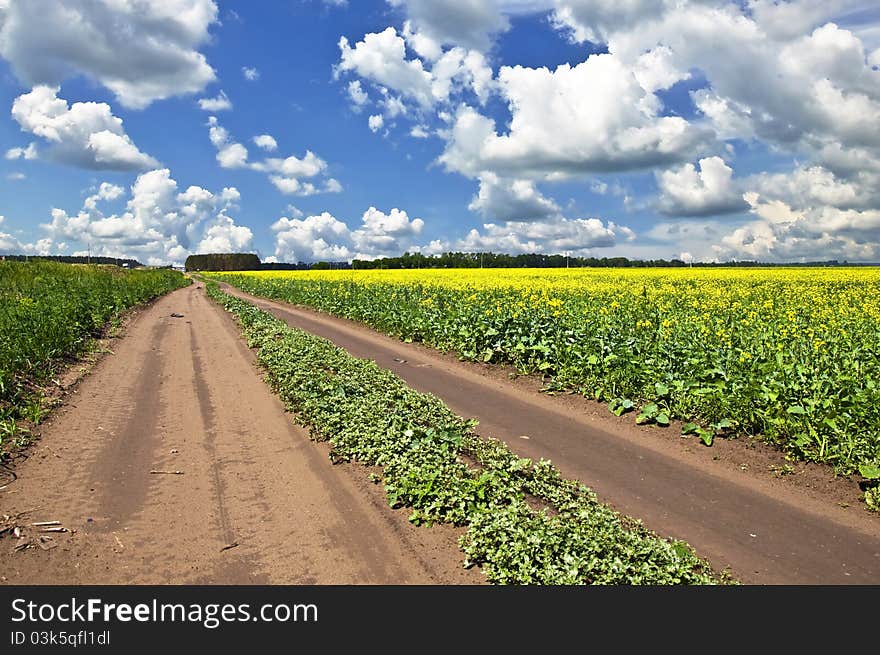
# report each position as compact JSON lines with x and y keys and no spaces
{"x":434,"y":463}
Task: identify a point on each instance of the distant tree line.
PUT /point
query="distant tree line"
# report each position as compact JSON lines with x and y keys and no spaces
{"x":223,"y":262}
{"x":304,"y":266}
{"x":534,"y":260}
{"x":499,"y":260}
{"x":76,"y":259}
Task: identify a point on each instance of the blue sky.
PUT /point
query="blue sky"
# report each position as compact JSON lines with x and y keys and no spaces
{"x":707,"y":130}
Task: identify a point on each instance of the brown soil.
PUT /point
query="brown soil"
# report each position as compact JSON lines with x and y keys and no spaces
{"x":256,"y":501}
{"x":737,"y":503}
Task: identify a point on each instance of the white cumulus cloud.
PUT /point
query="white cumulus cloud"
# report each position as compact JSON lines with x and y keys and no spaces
{"x":160,"y":224}
{"x":84,"y":134}
{"x":376,"y":122}
{"x":220,"y":102}
{"x":381,"y":58}
{"x":600,"y":119}
{"x":290,"y":175}
{"x":511,"y":200}
{"x":266,"y":141}
{"x":325,"y":237}
{"x":711,"y":190}
{"x":142,"y":50}
{"x":578,"y":237}
{"x":470,"y":23}
{"x":28,"y":152}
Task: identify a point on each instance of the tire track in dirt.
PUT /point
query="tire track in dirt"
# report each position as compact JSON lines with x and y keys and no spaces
{"x":135,"y":440}
{"x":207,"y":414}
{"x":184,"y":394}
{"x":763,"y":533}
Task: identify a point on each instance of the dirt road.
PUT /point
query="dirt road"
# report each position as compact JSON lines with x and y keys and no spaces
{"x":765,"y":531}
{"x":257,"y":502}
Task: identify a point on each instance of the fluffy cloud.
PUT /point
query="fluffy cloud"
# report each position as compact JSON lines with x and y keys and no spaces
{"x":376,"y":122}
{"x":797,"y":91}
{"x":786,"y":20}
{"x":324,"y":237}
{"x":593,"y":117}
{"x":106,"y":191}
{"x":250,"y":74}
{"x":818,"y":186}
{"x":511,"y":200}
{"x":470,"y":23}
{"x":357,"y":94}
{"x":230,"y":154}
{"x":383,"y":235}
{"x":381,"y":58}
{"x":86,"y":134}
{"x":780,"y":73}
{"x":142,"y":50}
{"x":601,"y":21}
{"x":10,"y":245}
{"x":266,"y":141}
{"x":815,"y":234}
{"x":314,"y":238}
{"x":708,"y":191}
{"x":289,"y":175}
{"x":223,"y":235}
{"x":597,"y":20}
{"x":555,"y":235}
{"x":160,"y":224}
{"x":28,"y":152}
{"x":220,"y":102}
{"x":808,"y":214}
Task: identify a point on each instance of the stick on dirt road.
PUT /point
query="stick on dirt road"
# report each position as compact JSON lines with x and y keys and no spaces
{"x":178,"y":465}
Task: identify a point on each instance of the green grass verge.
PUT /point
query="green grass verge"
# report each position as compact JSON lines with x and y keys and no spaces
{"x":435,"y":464}
{"x":49,"y":311}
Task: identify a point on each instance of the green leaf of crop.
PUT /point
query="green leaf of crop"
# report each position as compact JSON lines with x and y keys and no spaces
{"x":870,"y":471}
{"x":796,"y":409}
{"x":662,"y":419}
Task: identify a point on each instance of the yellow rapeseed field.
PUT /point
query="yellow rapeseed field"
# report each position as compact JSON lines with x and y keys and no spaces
{"x":789,"y":354}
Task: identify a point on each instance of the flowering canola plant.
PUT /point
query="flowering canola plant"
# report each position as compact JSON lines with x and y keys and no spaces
{"x":790,"y":355}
